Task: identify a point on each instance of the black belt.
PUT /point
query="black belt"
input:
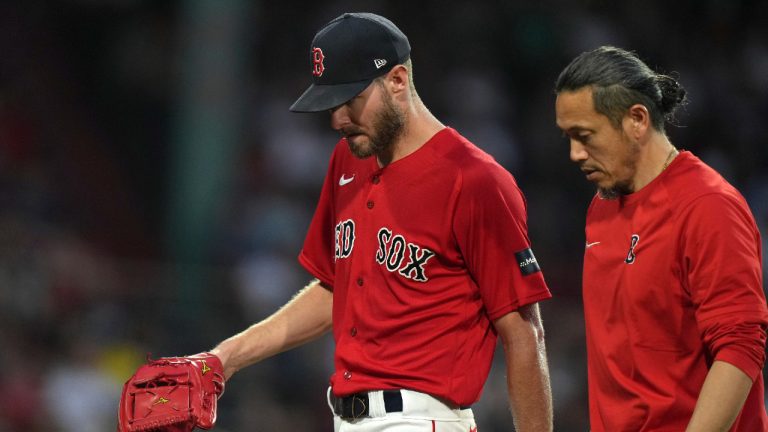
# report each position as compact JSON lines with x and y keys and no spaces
{"x":357,"y":405}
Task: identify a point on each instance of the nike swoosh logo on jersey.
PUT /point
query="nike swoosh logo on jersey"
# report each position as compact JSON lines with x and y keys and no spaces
{"x":589,"y":245}
{"x":344,"y":181}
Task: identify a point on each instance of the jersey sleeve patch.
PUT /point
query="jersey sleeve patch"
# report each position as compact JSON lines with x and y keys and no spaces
{"x":527,"y":262}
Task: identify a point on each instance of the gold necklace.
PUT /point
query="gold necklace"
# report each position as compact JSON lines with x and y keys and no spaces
{"x":670,"y":158}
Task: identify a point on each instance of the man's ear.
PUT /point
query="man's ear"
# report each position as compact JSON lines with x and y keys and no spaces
{"x":397,"y":80}
{"x":637,"y":121}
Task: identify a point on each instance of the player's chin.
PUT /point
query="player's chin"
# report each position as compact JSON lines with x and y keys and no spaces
{"x":614,"y":189}
{"x":360,"y":146}
{"x":605,"y":186}
{"x":608,"y":193}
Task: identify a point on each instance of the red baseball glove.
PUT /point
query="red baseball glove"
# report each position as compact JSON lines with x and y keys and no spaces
{"x":172,"y":394}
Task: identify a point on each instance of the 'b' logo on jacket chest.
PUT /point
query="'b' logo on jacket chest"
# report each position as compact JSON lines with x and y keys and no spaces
{"x":397,"y":255}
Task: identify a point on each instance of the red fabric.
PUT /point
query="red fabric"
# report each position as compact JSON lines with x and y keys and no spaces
{"x":692,"y":294}
{"x":430,"y":266}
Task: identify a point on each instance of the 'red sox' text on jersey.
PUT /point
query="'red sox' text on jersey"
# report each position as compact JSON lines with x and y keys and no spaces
{"x":422,"y":256}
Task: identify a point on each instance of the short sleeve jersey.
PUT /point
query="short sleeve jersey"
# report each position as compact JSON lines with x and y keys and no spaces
{"x":672,"y":282}
{"x":422,"y":256}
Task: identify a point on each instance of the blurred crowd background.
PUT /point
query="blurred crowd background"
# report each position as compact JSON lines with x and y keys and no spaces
{"x":155,"y":190}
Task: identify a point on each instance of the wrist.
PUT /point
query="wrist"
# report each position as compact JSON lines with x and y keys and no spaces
{"x":224,"y":351}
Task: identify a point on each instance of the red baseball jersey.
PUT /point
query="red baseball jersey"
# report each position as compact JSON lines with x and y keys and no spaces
{"x":423,"y":255}
{"x":672,"y":282}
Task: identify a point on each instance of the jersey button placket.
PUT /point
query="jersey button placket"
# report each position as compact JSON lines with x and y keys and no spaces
{"x":375,"y":179}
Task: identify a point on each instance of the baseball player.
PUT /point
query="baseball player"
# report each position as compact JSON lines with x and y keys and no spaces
{"x":673,"y":299}
{"x":419,"y":250}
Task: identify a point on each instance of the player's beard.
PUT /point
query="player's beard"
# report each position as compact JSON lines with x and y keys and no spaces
{"x":624,"y":186}
{"x":388,"y":126}
{"x":614,"y":192}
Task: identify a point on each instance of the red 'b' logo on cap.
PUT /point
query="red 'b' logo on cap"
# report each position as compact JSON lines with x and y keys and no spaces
{"x":317,"y":62}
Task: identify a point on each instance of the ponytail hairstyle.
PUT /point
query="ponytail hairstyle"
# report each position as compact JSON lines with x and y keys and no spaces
{"x":619,"y":79}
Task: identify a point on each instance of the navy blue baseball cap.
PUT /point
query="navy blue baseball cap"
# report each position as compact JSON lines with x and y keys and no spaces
{"x":347,"y":54}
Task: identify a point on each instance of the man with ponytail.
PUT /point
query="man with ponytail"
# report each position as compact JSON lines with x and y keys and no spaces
{"x":674,"y":307}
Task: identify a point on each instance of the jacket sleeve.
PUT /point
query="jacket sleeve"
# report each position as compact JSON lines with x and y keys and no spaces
{"x":722,"y":257}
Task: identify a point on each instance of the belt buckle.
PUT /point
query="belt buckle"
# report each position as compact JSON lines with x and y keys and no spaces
{"x":362,"y":401}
